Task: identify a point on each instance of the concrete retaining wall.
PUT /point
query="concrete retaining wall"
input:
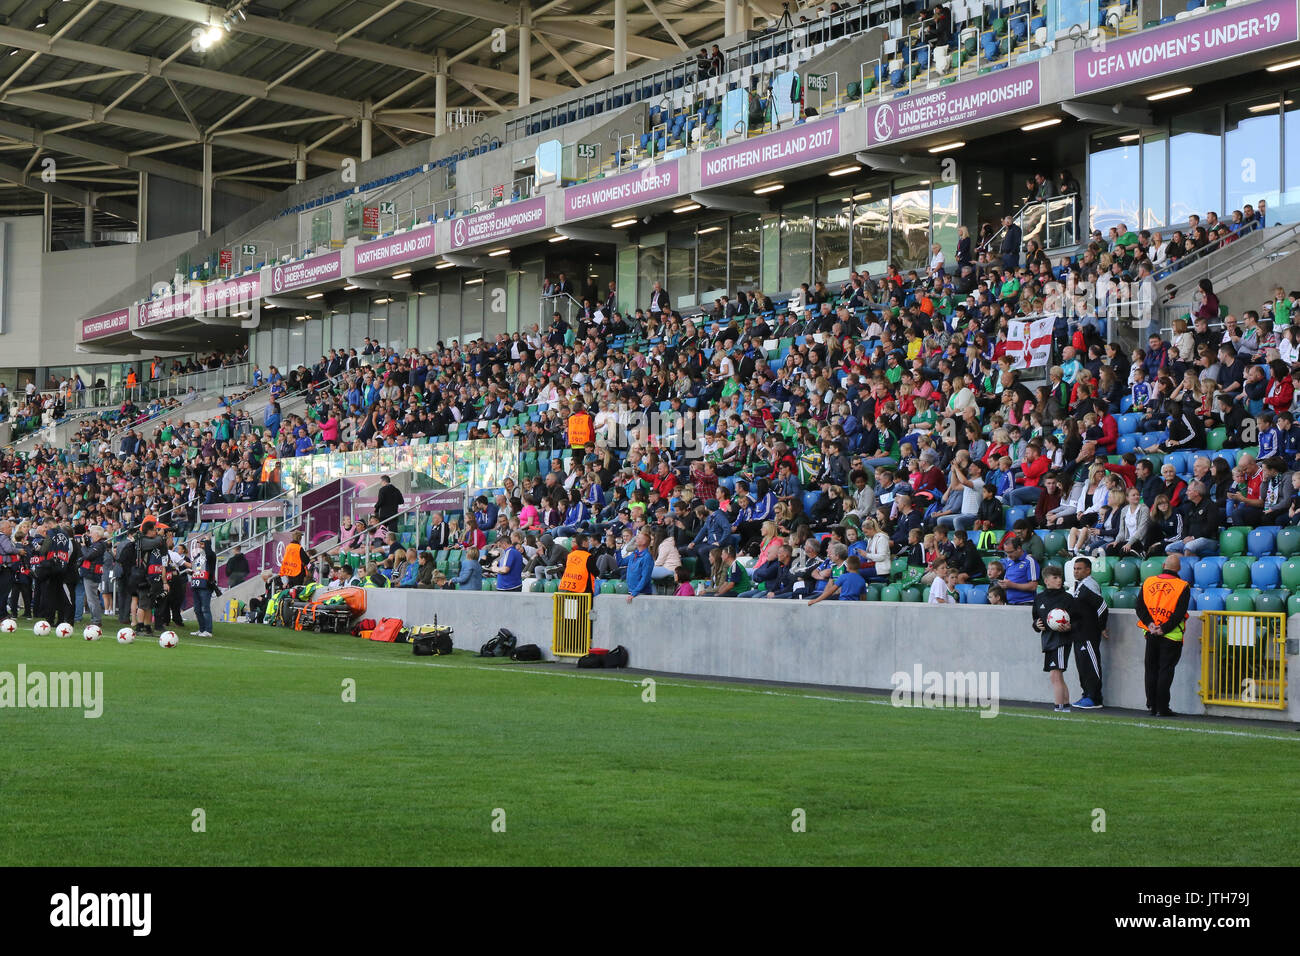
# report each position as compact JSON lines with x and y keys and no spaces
{"x":832,"y":644}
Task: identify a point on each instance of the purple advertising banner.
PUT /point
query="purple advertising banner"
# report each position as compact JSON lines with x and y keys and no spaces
{"x":618,"y":192}
{"x":98,"y":326}
{"x":1188,"y":43}
{"x":499,"y":223}
{"x":299,"y":275}
{"x":1004,"y":91}
{"x":230,"y":294}
{"x":241,"y":509}
{"x":395,"y":249}
{"x":163,"y":309}
{"x":775,"y":151}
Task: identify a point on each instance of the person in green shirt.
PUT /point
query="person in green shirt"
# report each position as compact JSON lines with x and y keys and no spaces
{"x":1281,"y":308}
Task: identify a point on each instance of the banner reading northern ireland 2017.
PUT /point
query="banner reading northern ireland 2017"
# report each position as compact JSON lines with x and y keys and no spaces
{"x":500,"y":222}
{"x":98,"y":326}
{"x":394,"y":250}
{"x":1029,"y":341}
{"x":1004,"y":91}
{"x":800,"y":144}
{"x":659,"y":181}
{"x":1171,"y":49}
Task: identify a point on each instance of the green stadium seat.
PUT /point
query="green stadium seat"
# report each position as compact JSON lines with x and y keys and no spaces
{"x":912,"y":595}
{"x":1151,"y":567}
{"x":891,"y":592}
{"x":1241,"y":601}
{"x":1054,"y":543}
{"x":1215,"y":438}
{"x":1288,"y":541}
{"x":1102,"y":570}
{"x":1271,"y":602}
{"x":1290,"y":574}
{"x":871,"y":592}
{"x":1293,"y":604}
{"x":1126,"y":572}
{"x":1235,"y":573}
{"x":1232,"y":542}
{"x":1125,"y":598}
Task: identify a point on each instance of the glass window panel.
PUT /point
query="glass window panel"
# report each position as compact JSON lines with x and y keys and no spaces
{"x":1154,"y":180}
{"x":1195,"y":165}
{"x":711,"y":252}
{"x":1252,"y":160}
{"x":871,"y":233}
{"x":681,"y":266}
{"x":396,"y":326}
{"x":796,"y":245}
{"x":298,"y":343}
{"x":1112,"y":183}
{"x":911,"y":230}
{"x":359,"y":323}
{"x":449,"y":311}
{"x":315,"y":339}
{"x":339,"y":338}
{"x":746,"y":252}
{"x":649,"y":270}
{"x":494,"y":304}
{"x":379,"y":319}
{"x":280,"y":346}
{"x":832,"y":254}
{"x":471,"y":305}
{"x":943,"y":217}
{"x":427,"y":305}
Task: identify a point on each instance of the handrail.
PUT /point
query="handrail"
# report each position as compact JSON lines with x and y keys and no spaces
{"x":1207,"y":250}
{"x":1045,"y":206}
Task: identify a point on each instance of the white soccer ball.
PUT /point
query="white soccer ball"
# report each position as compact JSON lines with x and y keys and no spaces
{"x":8,"y":625}
{"x":93,"y":632}
{"x":41,"y":628}
{"x":126,"y":636}
{"x":168,"y":639}
{"x":63,"y":630}
{"x":1058,"y":620}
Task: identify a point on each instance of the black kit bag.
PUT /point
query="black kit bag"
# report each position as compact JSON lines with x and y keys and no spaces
{"x":430,"y":645}
{"x":527,"y":652}
{"x":500,"y":646}
{"x":617,"y":657}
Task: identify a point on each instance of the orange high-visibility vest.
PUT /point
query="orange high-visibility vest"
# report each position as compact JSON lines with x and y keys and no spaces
{"x":269,"y":467}
{"x":580,"y":430}
{"x":577,"y":579}
{"x":292,"y":564}
{"x":1161,"y":594}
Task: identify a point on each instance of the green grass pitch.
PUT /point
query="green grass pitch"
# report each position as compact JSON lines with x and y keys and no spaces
{"x":251,"y":727}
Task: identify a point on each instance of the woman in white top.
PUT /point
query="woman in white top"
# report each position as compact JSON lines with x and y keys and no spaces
{"x":1095,"y":494}
{"x":1288,"y":346}
{"x":936,"y":260}
{"x":877,"y":549}
{"x":1183,"y":340}
{"x":1133,"y":522}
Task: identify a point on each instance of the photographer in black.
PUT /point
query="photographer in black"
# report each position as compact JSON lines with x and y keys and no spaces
{"x":91,"y":569}
{"x":151,"y":562}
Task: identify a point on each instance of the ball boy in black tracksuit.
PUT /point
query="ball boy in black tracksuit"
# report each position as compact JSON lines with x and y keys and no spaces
{"x":1056,"y":644}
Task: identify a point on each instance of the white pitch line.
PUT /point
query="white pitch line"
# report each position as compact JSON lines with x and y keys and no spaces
{"x":704,"y":684}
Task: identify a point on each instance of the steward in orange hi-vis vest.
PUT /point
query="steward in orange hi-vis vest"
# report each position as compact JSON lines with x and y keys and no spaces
{"x":1162,"y":613}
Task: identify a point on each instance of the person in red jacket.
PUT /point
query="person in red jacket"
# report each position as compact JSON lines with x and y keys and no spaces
{"x":1032,"y":470}
{"x":663,"y":480}
{"x":1109,"y":429}
{"x":1280,"y":389}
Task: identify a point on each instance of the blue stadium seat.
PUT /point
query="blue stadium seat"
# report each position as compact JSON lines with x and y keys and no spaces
{"x":1128,"y":424}
{"x":1261,"y":541}
{"x":1264,"y":573}
{"x":1206,"y":573}
{"x":1126,"y":444}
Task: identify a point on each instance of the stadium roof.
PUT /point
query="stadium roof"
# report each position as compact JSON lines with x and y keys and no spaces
{"x":110,"y":88}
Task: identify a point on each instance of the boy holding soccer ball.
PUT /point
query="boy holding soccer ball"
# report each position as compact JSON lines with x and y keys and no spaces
{"x":1056,"y":630}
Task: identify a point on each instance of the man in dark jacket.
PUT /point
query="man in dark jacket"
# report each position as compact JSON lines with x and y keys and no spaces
{"x":388,"y":503}
{"x":776,"y":576}
{"x":1089,"y":628}
{"x":1010,"y":247}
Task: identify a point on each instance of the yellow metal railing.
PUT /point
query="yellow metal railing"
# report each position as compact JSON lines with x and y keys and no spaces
{"x":571,"y":632}
{"x":1243,"y":659}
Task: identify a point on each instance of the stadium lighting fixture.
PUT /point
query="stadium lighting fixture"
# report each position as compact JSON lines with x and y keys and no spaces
{"x":688,"y":207}
{"x":474,"y":281}
{"x":1041,"y":124}
{"x":401,"y":275}
{"x":944,"y":147}
{"x":705,"y":232}
{"x":383,"y":301}
{"x":770,"y":188}
{"x":1279,"y":67}
{"x":861,"y":196}
{"x":42,"y":21}
{"x":316,"y":295}
{"x":499,"y":252}
{"x":1266,"y":107}
{"x":844,"y":170}
{"x":558,"y":239}
{"x":1169,"y":94}
{"x":1129,"y":137}
{"x":624,"y":223}
{"x":444,"y":265}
